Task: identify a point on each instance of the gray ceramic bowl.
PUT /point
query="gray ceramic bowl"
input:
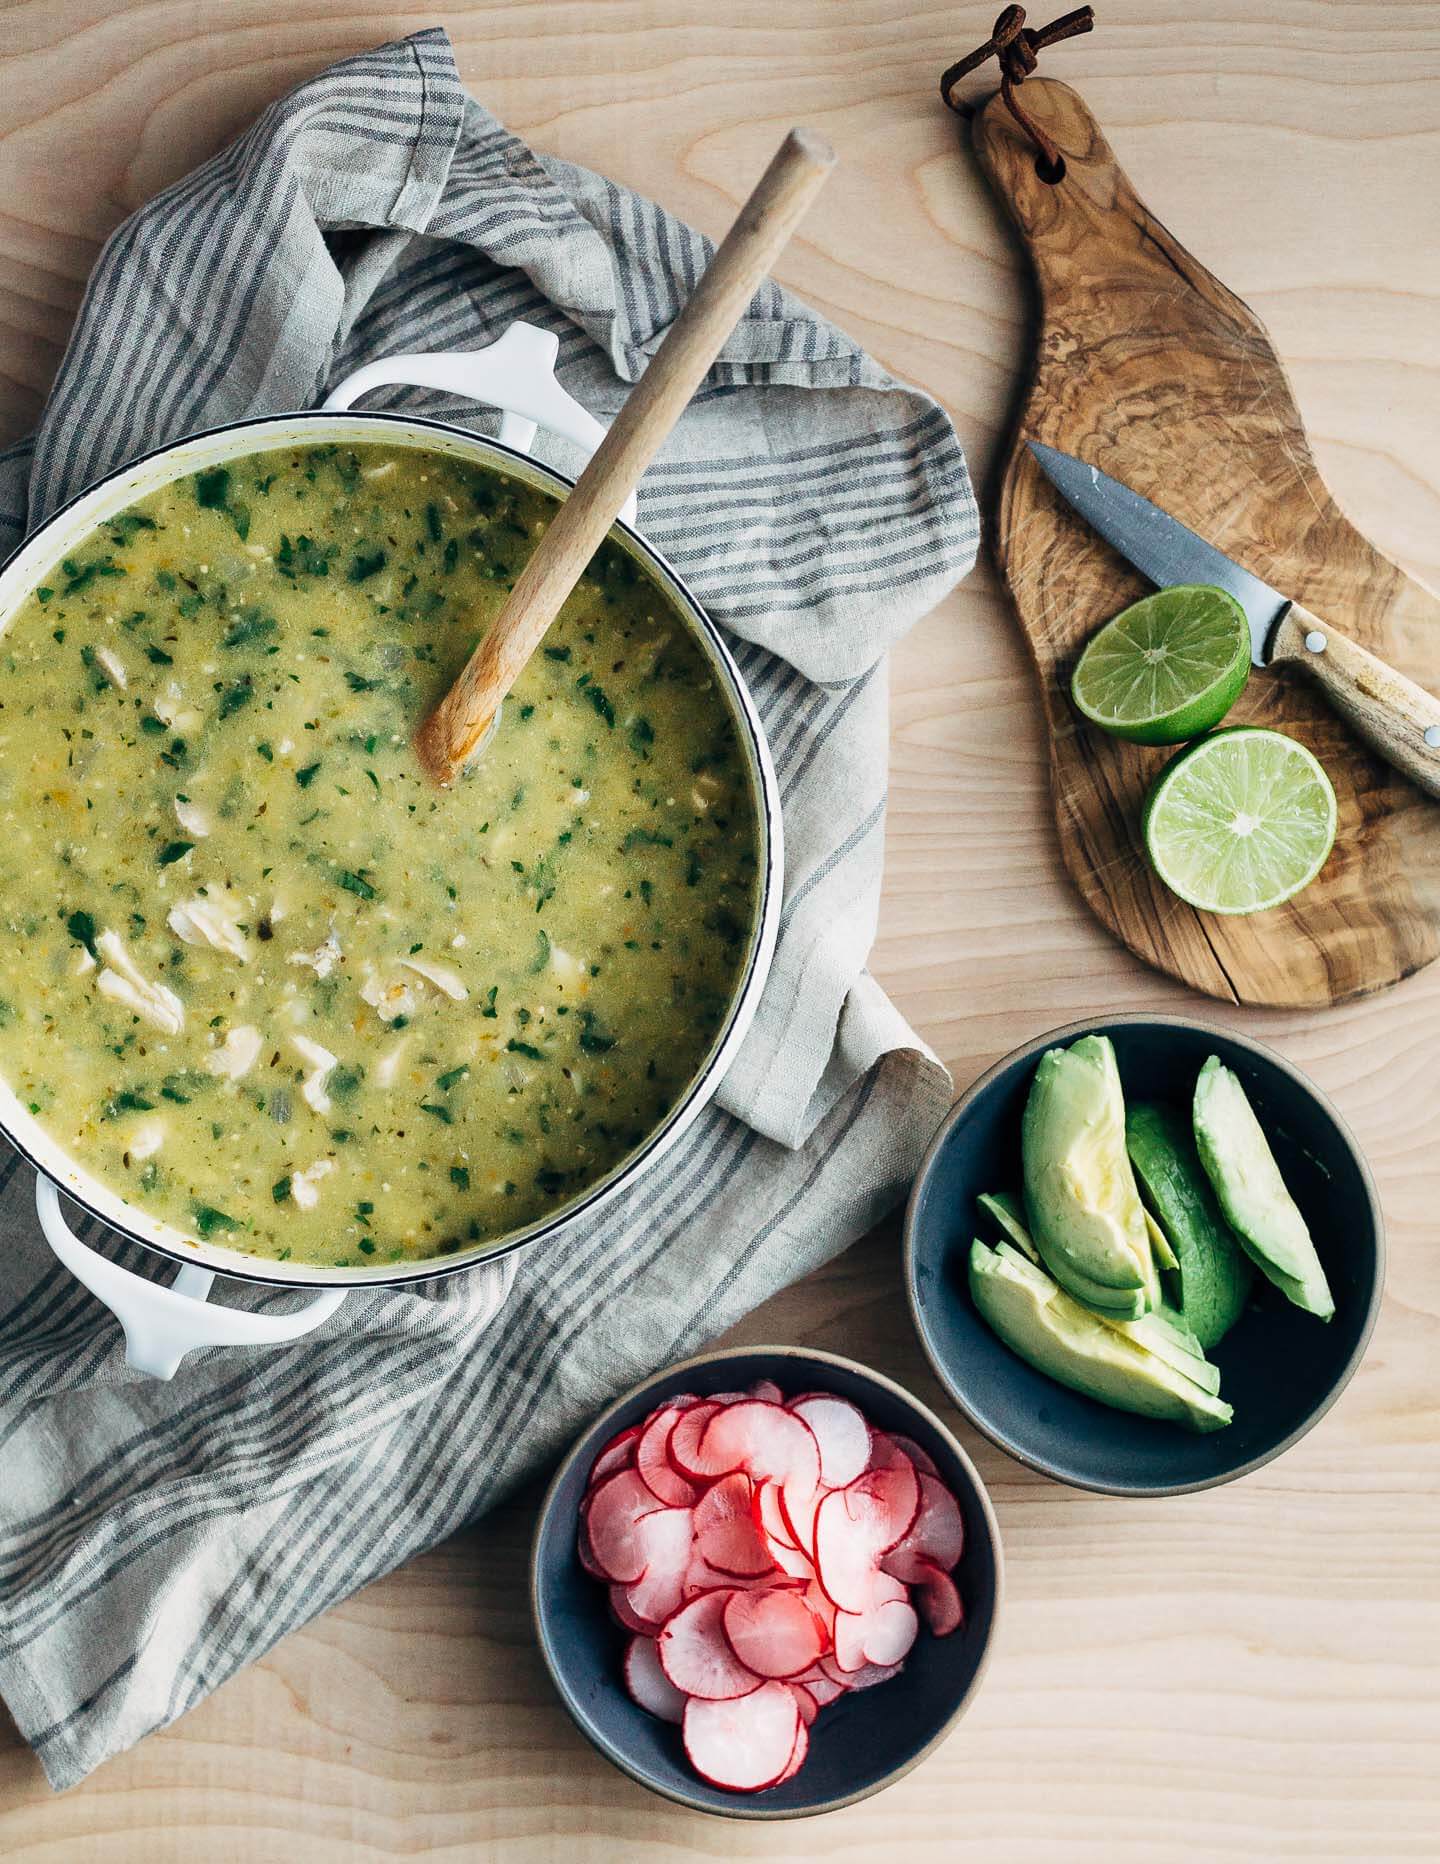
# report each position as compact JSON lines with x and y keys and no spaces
{"x":1280,"y":1368}
{"x":858,"y":1744}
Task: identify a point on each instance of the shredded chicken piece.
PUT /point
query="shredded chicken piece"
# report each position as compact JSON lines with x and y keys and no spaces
{"x":192,"y":818}
{"x":387,"y":1000}
{"x":112,"y":667}
{"x":123,"y":982}
{"x":323,"y":959}
{"x":209,"y":919}
{"x":237,"y":1054}
{"x":170,"y":708}
{"x":319,"y":1061}
{"x":565,"y":965}
{"x":440,"y":975}
{"x":389,"y":1063}
{"x":147,"y":1139}
{"x":303,"y":1183}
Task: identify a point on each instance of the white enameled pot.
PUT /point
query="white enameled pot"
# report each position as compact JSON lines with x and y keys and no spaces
{"x":516,"y":375}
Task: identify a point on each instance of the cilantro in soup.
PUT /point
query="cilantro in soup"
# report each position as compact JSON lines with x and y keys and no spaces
{"x":261,"y":978}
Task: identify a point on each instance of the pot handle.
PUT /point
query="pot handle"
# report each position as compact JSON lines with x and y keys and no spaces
{"x":162,"y":1324}
{"x":515,"y":373}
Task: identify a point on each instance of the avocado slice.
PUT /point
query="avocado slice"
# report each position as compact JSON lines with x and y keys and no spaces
{"x":1214,"y":1273}
{"x":1038,"y":1320}
{"x":1159,"y":1241}
{"x":1009,"y":1218}
{"x":1247,"y":1181}
{"x":1165,"y":1332}
{"x":1084,"y":1210}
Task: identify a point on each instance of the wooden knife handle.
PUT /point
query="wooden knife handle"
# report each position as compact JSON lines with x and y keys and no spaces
{"x":1399,"y":720}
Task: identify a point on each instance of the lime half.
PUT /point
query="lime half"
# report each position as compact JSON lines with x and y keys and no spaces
{"x":1240,"y":821}
{"x":1167,"y":668}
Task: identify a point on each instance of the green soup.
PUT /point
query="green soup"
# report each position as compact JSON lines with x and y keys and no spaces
{"x":263,"y":980}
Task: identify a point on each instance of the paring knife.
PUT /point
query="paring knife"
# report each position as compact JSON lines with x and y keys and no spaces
{"x":1399,"y":720}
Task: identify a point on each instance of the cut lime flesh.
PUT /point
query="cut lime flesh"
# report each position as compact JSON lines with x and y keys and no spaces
{"x":1240,"y":821}
{"x":1167,"y":668}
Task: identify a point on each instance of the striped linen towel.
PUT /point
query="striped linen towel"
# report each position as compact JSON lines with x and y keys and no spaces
{"x":153,"y":1538}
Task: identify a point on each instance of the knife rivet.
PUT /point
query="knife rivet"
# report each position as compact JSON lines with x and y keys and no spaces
{"x":1315,"y":641}
{"x":1432,"y":737}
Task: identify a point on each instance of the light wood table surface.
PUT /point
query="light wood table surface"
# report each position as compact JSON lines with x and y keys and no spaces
{"x":1249,"y":1673}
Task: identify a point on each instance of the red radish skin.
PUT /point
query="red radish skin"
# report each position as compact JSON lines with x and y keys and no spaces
{"x":804,"y":1701}
{"x":842,"y":1435}
{"x":648,"y":1684}
{"x":725,"y":1533}
{"x":775,"y":1634}
{"x":616,"y":1509}
{"x":652,"y":1461}
{"x":684,"y":1444}
{"x":744,"y":1745}
{"x":618,"y":1454}
{"x":696,"y":1655}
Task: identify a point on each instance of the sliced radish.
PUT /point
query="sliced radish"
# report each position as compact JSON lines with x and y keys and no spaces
{"x":889,"y":1631}
{"x":940,"y":1603}
{"x":744,"y":1745}
{"x":586,"y":1551}
{"x":626,"y":1615}
{"x":865,"y":1678}
{"x":726,"y":1536}
{"x":616,"y":1509}
{"x":798,"y":1752}
{"x":768,"y":1390}
{"x":665,"y":1540}
{"x":684,"y":1442}
{"x":842,"y":1434}
{"x":696,"y":1655}
{"x":907,"y":1446}
{"x":652,"y":1461}
{"x":618,"y":1454}
{"x":766,"y":1441}
{"x":804,"y":1701}
{"x":648,"y":1684}
{"x":884,"y":1504}
{"x":770,"y":1517}
{"x":822,"y":1689}
{"x":937,"y":1532}
{"x":775,"y":1634}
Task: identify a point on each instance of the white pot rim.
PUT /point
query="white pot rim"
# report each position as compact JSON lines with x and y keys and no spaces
{"x":63,"y":528}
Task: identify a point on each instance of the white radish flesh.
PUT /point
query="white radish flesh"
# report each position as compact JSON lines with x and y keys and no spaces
{"x":743,"y":1745}
{"x":772,"y":1633}
{"x":696,"y":1654}
{"x":649,"y":1685}
{"x":616,"y":1510}
{"x":842,"y":1434}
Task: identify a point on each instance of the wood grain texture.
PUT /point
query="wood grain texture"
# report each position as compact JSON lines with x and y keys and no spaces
{"x":747,"y":255}
{"x":1244,"y":1675}
{"x":1149,"y":368}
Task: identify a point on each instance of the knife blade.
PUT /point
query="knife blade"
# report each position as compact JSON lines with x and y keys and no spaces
{"x":1159,"y":546}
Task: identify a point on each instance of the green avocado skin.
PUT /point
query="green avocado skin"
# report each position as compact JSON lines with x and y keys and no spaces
{"x":1037,"y":1320}
{"x":1213,"y":1271}
{"x":1240,"y":1165}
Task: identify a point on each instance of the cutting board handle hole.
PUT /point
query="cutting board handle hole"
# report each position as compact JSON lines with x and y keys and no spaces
{"x":1050,"y":172}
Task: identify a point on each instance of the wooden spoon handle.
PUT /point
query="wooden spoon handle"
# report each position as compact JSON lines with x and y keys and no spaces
{"x":1399,"y":720}
{"x":761,"y":230}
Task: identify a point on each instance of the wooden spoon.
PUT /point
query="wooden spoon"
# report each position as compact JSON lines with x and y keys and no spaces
{"x":761,"y":231}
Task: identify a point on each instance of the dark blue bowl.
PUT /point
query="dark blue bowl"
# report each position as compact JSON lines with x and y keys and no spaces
{"x":858,"y":1744}
{"x":1280,"y":1368}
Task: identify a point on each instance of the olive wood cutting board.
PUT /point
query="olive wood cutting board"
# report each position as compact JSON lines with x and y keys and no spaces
{"x":1148,"y":367}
